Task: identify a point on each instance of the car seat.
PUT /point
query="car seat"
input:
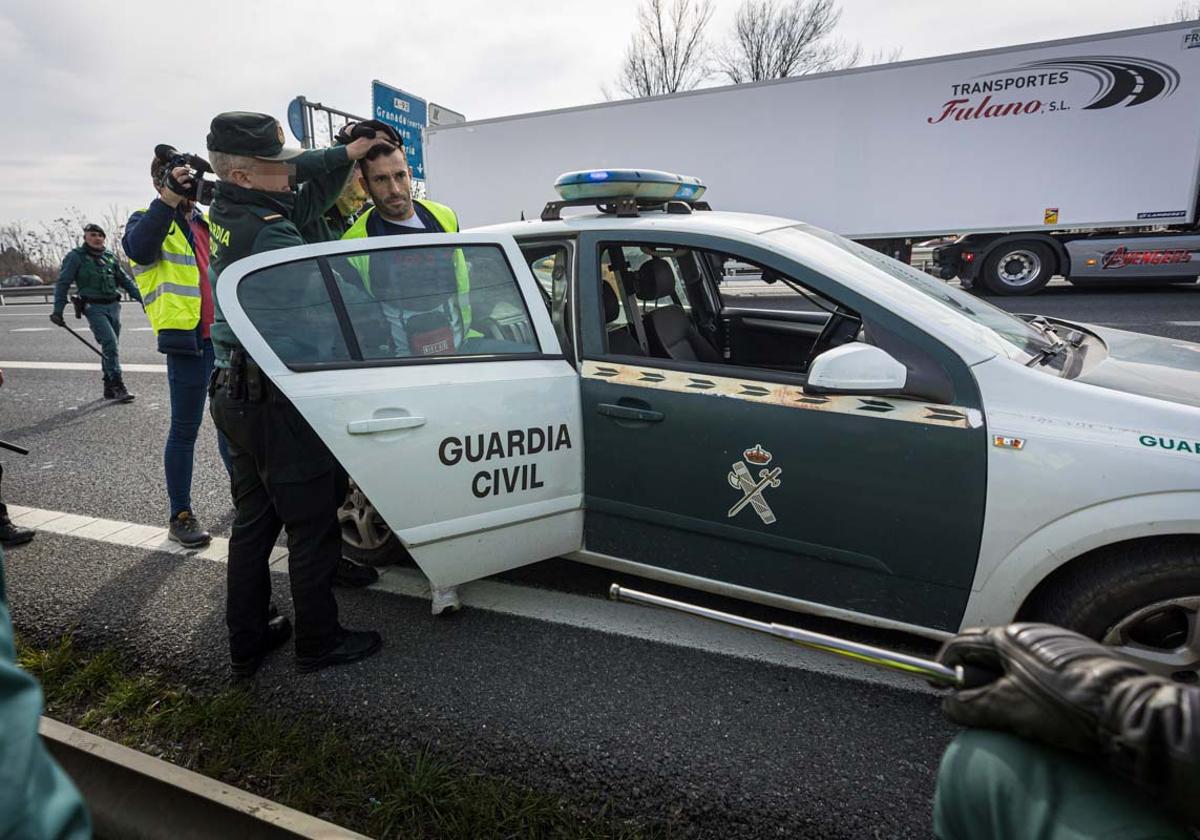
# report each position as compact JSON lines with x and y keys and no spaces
{"x":620,"y":340}
{"x":669,"y":329}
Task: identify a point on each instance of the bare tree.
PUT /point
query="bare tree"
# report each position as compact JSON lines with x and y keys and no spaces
{"x":668,"y":52}
{"x":1185,"y":12}
{"x":774,"y":39}
{"x":41,"y":252}
{"x":882,"y":56}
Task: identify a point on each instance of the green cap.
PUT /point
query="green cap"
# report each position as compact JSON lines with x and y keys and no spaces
{"x":249,"y":134}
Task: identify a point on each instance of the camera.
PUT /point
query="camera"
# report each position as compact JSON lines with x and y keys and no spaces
{"x":201,"y":188}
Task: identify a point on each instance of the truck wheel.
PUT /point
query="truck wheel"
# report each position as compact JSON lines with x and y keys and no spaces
{"x":1141,"y":598}
{"x":366,"y":538}
{"x":1018,"y":268}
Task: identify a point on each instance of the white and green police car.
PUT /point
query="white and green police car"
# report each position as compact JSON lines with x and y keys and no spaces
{"x":876,"y":447}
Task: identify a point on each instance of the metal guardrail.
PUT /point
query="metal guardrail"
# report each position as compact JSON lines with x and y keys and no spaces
{"x":137,"y":796}
{"x":922,"y":258}
{"x":46,"y":293}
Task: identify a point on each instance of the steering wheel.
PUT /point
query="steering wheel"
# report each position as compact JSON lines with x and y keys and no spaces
{"x":842,"y":326}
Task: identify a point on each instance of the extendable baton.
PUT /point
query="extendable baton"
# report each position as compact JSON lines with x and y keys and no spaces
{"x":86,"y":343}
{"x":914,"y":666}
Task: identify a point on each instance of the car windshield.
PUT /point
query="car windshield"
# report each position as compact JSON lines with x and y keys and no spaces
{"x":1015,"y":332}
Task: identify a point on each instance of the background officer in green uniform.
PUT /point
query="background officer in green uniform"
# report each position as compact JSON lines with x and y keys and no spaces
{"x":283,"y":475}
{"x":1071,"y":742}
{"x":97,"y":275}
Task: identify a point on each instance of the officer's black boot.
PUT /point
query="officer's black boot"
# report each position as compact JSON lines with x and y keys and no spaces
{"x":108,"y":388}
{"x":11,"y":534}
{"x":118,"y":391}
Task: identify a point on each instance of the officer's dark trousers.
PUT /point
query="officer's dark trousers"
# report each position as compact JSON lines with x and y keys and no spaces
{"x":283,"y":476}
{"x":105,"y":321}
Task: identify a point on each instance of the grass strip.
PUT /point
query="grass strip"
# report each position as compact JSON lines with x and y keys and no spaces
{"x":227,"y":736}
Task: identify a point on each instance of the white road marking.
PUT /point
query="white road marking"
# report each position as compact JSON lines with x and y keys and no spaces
{"x":546,"y":605}
{"x":116,"y":532}
{"x":82,"y":330}
{"x":1184,"y":323}
{"x":80,"y":366}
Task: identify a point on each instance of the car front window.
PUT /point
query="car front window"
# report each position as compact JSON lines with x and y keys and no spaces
{"x":1015,"y":332}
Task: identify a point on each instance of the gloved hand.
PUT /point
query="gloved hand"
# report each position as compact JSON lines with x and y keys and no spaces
{"x":1051,"y":684}
{"x":1063,"y":689}
{"x":376,"y":129}
{"x":56,"y":318}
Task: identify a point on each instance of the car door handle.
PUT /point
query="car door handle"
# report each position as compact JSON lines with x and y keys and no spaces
{"x":383,"y":424}
{"x":626,"y":412}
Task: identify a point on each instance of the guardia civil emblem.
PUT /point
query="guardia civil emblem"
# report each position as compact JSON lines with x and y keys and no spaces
{"x":741,"y":478}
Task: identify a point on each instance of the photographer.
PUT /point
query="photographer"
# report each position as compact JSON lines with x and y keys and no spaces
{"x":97,"y":275}
{"x":169,"y":245}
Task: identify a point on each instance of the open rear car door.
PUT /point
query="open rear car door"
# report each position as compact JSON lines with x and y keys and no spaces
{"x":429,"y":366}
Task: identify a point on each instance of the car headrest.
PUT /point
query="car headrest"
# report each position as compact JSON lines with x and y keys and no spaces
{"x":612,"y":306}
{"x":655,"y":279}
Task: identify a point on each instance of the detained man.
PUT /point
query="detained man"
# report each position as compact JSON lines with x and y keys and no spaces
{"x":425,"y":296}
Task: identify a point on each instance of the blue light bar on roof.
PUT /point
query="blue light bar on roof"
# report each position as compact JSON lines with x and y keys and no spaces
{"x":648,"y":184}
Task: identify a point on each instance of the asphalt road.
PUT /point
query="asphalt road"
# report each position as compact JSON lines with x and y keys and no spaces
{"x":664,"y":728}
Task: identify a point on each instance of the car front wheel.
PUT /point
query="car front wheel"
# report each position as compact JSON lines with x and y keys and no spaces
{"x":366,"y":538}
{"x":1142,"y":599}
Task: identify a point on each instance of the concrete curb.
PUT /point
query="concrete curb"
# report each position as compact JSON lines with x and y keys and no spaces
{"x":136,"y":796}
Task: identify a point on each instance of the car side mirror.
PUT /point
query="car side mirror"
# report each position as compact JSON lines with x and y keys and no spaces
{"x":856,"y":368}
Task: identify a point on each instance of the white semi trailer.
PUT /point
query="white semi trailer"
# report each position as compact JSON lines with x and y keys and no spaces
{"x":1078,"y":157}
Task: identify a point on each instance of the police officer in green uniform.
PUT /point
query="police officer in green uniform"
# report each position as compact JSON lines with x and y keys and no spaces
{"x":97,"y":275}
{"x":283,"y":475}
{"x":1069,"y":742}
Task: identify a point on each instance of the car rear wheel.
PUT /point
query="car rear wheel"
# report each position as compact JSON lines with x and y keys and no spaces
{"x":366,"y":538}
{"x":1142,"y":599}
{"x":1018,"y":268}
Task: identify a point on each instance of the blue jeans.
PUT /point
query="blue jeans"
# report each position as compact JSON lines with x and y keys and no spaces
{"x":105,"y":321}
{"x":187,"y":378}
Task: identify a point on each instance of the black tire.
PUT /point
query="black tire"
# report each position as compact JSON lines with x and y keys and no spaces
{"x":1022,"y":267}
{"x":366,"y":538}
{"x":1135,"y":596}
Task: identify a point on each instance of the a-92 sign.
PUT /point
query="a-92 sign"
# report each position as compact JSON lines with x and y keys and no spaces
{"x":407,"y":114}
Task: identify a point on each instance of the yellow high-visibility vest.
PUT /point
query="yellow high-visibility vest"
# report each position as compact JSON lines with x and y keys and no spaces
{"x":449,"y":222}
{"x":170,"y":285}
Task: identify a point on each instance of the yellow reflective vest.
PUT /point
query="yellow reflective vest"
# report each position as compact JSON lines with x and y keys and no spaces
{"x":170,"y":285}
{"x":449,"y":222}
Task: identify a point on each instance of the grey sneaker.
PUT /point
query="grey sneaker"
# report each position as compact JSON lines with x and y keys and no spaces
{"x":185,"y":530}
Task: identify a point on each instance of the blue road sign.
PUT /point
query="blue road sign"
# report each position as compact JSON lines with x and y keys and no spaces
{"x":406,"y":113}
{"x":295,"y":115}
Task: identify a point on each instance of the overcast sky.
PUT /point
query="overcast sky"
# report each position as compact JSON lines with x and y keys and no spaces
{"x":89,"y":88}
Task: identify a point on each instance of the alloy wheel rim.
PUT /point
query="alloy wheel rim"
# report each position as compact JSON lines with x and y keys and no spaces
{"x":1163,"y":637}
{"x":362,"y":526}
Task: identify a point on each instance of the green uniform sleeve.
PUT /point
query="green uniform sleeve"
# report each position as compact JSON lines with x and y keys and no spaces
{"x":37,"y":800}
{"x":321,"y":174}
{"x":66,"y":276}
{"x":126,"y":283}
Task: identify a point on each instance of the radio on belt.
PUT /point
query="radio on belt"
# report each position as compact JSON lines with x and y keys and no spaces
{"x":642,"y":184}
